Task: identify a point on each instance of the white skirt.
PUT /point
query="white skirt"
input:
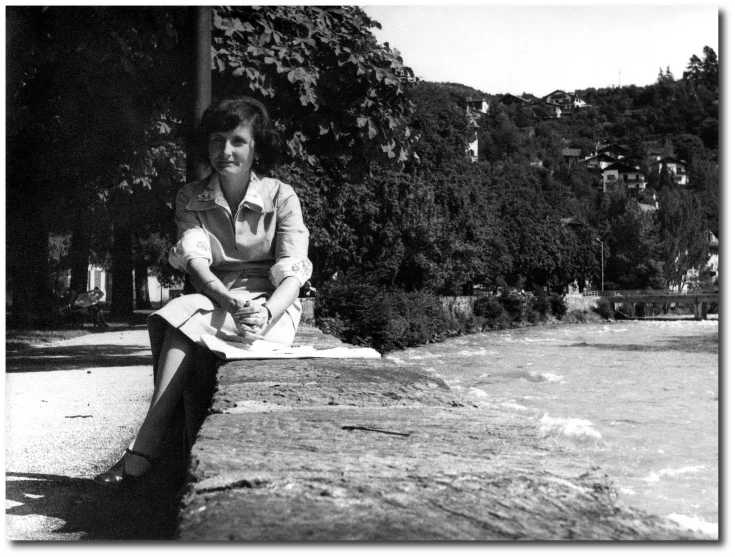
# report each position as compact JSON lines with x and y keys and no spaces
{"x":196,"y":314}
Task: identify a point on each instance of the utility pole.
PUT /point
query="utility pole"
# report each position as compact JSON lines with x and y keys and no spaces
{"x":602,"y":264}
{"x":199,"y":29}
{"x":199,"y":32}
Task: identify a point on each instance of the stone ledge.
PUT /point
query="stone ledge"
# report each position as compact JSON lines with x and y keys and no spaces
{"x":374,"y":450}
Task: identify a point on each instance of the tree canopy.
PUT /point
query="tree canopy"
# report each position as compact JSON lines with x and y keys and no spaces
{"x":96,"y":129}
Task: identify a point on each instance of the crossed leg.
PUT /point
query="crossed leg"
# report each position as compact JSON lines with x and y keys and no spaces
{"x":176,"y":365}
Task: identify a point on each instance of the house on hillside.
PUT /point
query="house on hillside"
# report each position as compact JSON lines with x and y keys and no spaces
{"x":712,"y":266}
{"x":599,"y":162}
{"x":572,"y":222}
{"x":612,"y":149}
{"x":546,"y":110}
{"x":566,"y":101}
{"x":510,"y":100}
{"x":632,"y":177}
{"x":477,"y":105}
{"x":571,"y":156}
{"x":677,"y":169}
{"x":475,"y":109}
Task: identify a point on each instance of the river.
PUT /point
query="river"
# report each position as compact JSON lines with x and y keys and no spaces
{"x":639,"y":398}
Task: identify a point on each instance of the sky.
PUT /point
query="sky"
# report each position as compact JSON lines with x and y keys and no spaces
{"x":541,"y":47}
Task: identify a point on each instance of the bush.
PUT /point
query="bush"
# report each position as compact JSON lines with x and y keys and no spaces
{"x":558,"y":305}
{"x":488,"y":307}
{"x":580,"y":316}
{"x":514,"y":303}
{"x":604,"y":309}
{"x":540,"y":303}
{"x":362,"y":313}
{"x":491,"y":313}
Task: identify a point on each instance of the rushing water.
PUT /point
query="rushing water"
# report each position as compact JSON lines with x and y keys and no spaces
{"x":640,"y":398}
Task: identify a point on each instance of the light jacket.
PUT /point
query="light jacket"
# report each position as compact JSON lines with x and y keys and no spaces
{"x":262,"y":244}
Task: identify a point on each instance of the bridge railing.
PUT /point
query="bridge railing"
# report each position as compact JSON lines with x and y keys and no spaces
{"x":645,"y":293}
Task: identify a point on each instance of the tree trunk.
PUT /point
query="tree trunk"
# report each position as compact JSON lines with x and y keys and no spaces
{"x":79,"y":259}
{"x":122,"y":273}
{"x":142,"y":297}
{"x":29,"y":272}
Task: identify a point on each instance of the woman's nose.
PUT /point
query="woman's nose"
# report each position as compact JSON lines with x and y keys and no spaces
{"x":227,"y":148}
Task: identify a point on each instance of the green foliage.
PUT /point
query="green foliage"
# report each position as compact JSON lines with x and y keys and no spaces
{"x":488,"y":307}
{"x":516,"y":304}
{"x":634,"y":256}
{"x":541,"y":303}
{"x":361,"y":312}
{"x":333,"y":91}
{"x":380,"y":164}
{"x":604,"y":309}
{"x":684,"y":236}
{"x":442,"y":127}
{"x":558,"y":305}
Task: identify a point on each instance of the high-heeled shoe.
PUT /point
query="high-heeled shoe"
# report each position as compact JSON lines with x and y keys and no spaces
{"x":116,"y":477}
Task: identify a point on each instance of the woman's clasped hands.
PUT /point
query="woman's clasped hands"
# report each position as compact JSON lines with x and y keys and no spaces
{"x":252,"y":319}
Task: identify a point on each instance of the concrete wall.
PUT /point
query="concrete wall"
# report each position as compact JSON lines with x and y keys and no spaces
{"x":577,"y":301}
{"x":462,"y":306}
{"x":459,"y":306}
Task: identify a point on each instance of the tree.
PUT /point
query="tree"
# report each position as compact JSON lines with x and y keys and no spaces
{"x":634,"y":260}
{"x":704,"y":73}
{"x":441,"y":126}
{"x":91,"y":81}
{"x":684,"y":234}
{"x":334,"y":92}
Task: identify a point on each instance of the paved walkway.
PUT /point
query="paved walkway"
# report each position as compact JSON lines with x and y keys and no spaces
{"x":71,"y":408}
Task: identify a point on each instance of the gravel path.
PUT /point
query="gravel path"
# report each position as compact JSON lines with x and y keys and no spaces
{"x":71,"y":408}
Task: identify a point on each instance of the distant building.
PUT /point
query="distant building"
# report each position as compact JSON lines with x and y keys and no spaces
{"x":571,"y":156}
{"x":647,"y":208}
{"x":509,"y":100}
{"x":712,"y":266}
{"x":477,"y":105}
{"x":572,"y":222}
{"x":475,"y":108}
{"x":677,"y":169}
{"x":567,"y":101}
{"x":612,"y":149}
{"x":599,"y":162}
{"x":633,"y":178}
{"x":543,"y":109}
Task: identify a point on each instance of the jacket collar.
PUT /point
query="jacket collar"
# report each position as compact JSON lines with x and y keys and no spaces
{"x":257,"y":197}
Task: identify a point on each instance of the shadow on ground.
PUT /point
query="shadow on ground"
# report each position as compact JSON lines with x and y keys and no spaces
{"x":62,"y":358}
{"x":148,"y":512}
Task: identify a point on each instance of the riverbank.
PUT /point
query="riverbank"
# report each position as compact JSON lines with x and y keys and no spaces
{"x":381,"y":450}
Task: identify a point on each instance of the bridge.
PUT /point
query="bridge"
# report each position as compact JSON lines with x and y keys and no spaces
{"x":697,"y":298}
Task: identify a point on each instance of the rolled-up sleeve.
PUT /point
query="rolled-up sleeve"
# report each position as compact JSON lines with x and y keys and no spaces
{"x":292,"y":240}
{"x":193,"y":241}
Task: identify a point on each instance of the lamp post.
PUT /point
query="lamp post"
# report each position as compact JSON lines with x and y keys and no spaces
{"x":602,"y":263}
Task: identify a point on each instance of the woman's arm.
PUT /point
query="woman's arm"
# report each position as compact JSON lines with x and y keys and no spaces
{"x":211,"y":286}
{"x":253,"y":314}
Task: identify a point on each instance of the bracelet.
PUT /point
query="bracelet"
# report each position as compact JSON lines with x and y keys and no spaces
{"x":270,"y":315}
{"x":207,"y":284}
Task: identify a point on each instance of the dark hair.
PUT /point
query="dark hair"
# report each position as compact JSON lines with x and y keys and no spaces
{"x":226,"y":115}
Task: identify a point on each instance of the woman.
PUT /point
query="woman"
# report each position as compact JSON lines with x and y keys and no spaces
{"x":243,"y":243}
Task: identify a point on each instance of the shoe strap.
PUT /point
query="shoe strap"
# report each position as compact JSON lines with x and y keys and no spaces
{"x":142,"y":455}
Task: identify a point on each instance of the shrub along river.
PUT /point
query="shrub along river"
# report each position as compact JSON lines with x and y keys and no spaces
{"x":638,"y":398}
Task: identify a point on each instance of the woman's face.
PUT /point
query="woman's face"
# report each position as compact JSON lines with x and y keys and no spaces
{"x":231,"y":153}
